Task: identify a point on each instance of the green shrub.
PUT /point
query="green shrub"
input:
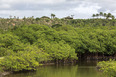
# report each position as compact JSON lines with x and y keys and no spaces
{"x":108,"y":68}
{"x":23,"y":60}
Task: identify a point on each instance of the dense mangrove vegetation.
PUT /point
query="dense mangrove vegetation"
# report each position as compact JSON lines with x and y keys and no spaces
{"x":108,"y":67}
{"x":29,"y":42}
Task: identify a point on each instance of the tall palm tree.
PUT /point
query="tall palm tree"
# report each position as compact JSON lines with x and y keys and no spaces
{"x":101,"y":13}
{"x":72,"y":16}
{"x":108,"y":15}
{"x":97,"y":15}
{"x":112,"y":17}
{"x":93,"y":15}
{"x":105,"y":15}
{"x":53,"y":16}
{"x":15,"y":17}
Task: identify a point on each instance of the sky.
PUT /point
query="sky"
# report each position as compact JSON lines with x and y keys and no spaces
{"x":81,"y":9}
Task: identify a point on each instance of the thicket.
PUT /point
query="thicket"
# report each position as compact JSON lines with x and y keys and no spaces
{"x":108,"y":68}
{"x":24,"y":46}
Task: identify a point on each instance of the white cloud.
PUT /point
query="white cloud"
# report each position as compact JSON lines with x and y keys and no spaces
{"x":35,"y":13}
{"x":87,"y":9}
{"x":32,"y":1}
{"x":5,"y":6}
{"x":80,"y":8}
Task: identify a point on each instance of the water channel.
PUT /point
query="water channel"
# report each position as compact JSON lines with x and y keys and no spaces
{"x":81,"y":69}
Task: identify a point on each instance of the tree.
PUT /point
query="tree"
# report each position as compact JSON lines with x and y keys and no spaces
{"x":112,"y":17}
{"x":37,"y":19}
{"x":101,"y":14}
{"x":93,"y":15}
{"x":105,"y":15}
{"x":108,"y":15}
{"x":97,"y":15}
{"x":52,"y":16}
{"x":45,"y":17}
{"x":72,"y":16}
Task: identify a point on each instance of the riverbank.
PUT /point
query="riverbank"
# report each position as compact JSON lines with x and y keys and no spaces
{"x":80,"y":69}
{"x":96,"y":56}
{"x":98,"y":66}
{"x":44,"y":63}
{"x":57,"y":62}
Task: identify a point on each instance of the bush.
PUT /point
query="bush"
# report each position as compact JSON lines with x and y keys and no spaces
{"x":23,"y":60}
{"x":108,"y":68}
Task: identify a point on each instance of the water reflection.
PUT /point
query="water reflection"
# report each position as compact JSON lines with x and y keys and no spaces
{"x":83,"y":69}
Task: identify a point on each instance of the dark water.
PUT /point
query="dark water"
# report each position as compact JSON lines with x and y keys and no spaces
{"x":82,"y":69}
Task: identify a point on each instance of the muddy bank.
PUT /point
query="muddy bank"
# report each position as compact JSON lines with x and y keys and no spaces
{"x":95,"y":56}
{"x":53,"y":62}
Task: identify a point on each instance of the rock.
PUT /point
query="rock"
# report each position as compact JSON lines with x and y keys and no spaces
{"x":4,"y":73}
